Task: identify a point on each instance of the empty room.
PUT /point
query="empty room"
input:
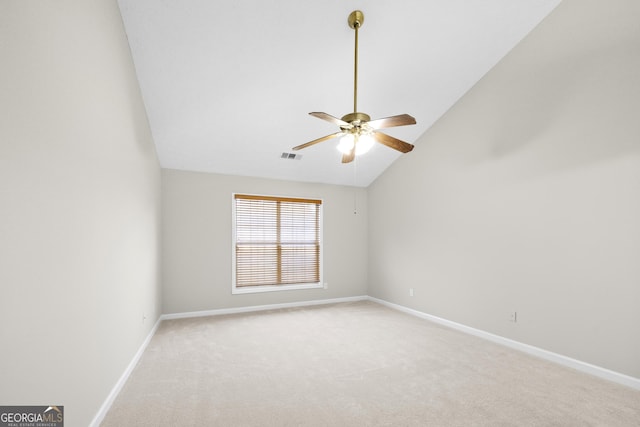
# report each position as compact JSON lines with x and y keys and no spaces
{"x":330,"y":213}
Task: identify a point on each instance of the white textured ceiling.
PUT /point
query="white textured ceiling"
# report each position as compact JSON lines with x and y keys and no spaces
{"x":228,"y":85}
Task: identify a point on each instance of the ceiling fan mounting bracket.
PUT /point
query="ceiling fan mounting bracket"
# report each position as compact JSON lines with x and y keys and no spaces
{"x":356,"y":17}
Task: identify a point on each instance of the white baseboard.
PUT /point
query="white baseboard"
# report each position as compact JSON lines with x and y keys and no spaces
{"x":526,"y":348}
{"x":221,"y":311}
{"x":123,"y":378}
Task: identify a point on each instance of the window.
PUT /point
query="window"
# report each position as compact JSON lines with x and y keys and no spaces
{"x":277,"y":243}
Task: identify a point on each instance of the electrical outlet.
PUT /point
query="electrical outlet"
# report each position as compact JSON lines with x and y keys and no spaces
{"x":513,"y":317}
{"x":410,"y":292}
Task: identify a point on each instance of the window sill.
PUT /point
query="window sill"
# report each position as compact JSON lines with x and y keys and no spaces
{"x":274,"y":288}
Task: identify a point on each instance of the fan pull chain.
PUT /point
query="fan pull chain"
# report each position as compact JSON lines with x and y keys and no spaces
{"x":355,"y":188}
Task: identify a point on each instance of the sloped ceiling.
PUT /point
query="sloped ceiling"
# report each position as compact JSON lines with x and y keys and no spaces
{"x":228,"y":85}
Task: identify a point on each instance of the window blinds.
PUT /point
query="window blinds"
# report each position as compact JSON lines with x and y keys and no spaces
{"x":277,"y":240}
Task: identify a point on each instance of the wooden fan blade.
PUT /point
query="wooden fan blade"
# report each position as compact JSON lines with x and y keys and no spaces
{"x":387,"y":122}
{"x":392,"y":142}
{"x":348,"y":158}
{"x":329,"y":118}
{"x":315,"y":141}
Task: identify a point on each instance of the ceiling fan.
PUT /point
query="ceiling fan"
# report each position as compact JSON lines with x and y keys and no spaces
{"x":357,"y":131}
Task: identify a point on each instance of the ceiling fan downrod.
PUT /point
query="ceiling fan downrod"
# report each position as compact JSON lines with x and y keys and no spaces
{"x":355,"y":20}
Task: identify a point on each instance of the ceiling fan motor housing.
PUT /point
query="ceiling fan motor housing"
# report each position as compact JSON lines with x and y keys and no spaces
{"x":351,"y":117}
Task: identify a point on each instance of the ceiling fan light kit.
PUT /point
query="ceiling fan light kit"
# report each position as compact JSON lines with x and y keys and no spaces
{"x":362,"y":143}
{"x":358,"y":132}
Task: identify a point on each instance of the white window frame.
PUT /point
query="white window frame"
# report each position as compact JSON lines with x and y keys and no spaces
{"x":274,"y":288}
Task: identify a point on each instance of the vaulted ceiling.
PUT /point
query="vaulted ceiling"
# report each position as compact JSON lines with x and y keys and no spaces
{"x":228,"y":85}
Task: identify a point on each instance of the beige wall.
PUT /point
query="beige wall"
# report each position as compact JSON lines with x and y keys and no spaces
{"x":196,"y":233}
{"x":79,"y":206}
{"x":525,"y":196}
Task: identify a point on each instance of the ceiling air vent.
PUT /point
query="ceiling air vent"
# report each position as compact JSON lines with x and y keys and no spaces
{"x":291,"y":156}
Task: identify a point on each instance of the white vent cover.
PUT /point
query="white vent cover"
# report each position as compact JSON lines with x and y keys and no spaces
{"x":291,"y":156}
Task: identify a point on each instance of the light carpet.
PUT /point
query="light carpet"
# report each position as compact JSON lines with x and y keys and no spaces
{"x":353,"y":364}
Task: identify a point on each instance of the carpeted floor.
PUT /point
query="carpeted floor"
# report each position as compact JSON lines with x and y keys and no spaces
{"x":353,"y":364}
